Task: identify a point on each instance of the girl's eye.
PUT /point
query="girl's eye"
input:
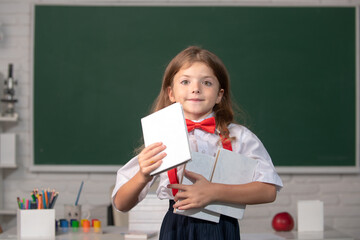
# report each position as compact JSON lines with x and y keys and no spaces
{"x":185,"y":82}
{"x":207,"y":83}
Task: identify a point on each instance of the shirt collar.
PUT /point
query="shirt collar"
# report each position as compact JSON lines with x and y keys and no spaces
{"x":208,"y":116}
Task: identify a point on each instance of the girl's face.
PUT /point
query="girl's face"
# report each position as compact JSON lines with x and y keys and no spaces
{"x":197,"y":89}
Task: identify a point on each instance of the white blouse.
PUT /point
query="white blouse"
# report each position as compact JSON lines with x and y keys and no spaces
{"x":246,"y":143}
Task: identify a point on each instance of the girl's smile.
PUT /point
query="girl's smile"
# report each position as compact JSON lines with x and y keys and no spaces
{"x":195,"y":99}
{"x":197,"y":89}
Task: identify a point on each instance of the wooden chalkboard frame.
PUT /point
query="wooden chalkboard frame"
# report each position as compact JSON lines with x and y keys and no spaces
{"x":281,"y":169}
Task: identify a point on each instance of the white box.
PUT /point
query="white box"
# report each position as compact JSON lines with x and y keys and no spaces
{"x":310,"y":216}
{"x":36,"y":223}
{"x":7,"y":149}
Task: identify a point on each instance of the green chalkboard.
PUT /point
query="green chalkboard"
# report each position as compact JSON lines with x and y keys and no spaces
{"x":97,"y":70}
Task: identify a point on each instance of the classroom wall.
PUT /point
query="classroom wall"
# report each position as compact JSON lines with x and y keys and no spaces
{"x":340,"y":193}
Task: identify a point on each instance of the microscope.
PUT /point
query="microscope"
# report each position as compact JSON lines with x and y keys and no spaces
{"x":9,"y":99}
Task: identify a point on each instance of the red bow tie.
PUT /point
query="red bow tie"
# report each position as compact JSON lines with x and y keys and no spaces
{"x":207,"y":125}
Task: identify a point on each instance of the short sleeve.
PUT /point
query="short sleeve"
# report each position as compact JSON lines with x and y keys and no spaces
{"x":251,"y":146}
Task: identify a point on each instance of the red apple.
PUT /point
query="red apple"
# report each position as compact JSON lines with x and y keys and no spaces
{"x":283,"y":222}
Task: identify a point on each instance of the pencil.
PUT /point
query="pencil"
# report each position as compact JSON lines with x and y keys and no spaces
{"x":78,"y":196}
{"x":46,"y":202}
{"x":18,"y":201}
{"x":54,"y":200}
{"x":40,"y":202}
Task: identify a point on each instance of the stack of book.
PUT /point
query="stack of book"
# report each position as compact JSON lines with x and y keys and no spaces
{"x":169,"y":127}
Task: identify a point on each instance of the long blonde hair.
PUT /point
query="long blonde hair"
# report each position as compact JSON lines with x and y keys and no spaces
{"x":223,"y":111}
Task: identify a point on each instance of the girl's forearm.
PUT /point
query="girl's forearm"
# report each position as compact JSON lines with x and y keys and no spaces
{"x":250,"y":193}
{"x":127,"y":196}
{"x":150,"y":158}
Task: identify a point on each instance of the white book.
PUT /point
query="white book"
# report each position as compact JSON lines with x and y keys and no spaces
{"x":227,"y":168}
{"x":202,"y":164}
{"x":139,"y":235}
{"x":169,"y":127}
{"x":232,"y":168}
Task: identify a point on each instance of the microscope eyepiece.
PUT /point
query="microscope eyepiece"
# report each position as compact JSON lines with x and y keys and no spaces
{"x":10,"y":70}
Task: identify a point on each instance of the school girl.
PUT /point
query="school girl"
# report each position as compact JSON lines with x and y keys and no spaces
{"x":198,"y":80}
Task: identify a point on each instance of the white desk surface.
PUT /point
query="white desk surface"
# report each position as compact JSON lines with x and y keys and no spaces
{"x":115,"y":233}
{"x":108,"y":233}
{"x":293,"y":235}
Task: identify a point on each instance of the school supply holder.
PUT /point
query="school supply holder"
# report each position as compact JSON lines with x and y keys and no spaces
{"x":36,"y":223}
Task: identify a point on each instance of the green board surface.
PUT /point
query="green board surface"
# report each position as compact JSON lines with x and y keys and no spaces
{"x":97,"y":70}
